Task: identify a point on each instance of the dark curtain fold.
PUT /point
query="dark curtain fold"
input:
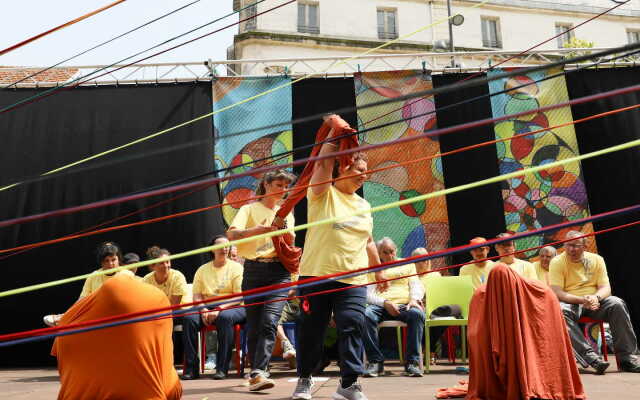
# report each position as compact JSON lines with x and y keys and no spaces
{"x":612,"y":180}
{"x":478,"y":211}
{"x":75,"y":124}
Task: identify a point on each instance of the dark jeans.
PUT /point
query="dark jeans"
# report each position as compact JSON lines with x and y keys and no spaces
{"x":262,"y":320}
{"x":374,"y":315}
{"x":348,"y":311}
{"x":191,"y":325}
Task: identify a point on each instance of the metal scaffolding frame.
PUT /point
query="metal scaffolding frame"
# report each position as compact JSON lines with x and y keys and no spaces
{"x":437,"y":62}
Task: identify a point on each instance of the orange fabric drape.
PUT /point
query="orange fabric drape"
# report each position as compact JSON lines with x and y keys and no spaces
{"x":518,"y":342}
{"x":133,"y":361}
{"x":288,"y":253}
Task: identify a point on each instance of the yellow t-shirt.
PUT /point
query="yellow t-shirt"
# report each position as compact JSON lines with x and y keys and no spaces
{"x":341,"y":246}
{"x":479,"y":275}
{"x":175,"y":285}
{"x":251,"y":215}
{"x":398,"y":291}
{"x":524,"y":268}
{"x":541,"y":273}
{"x":210,"y":281}
{"x":579,"y":279}
{"x":93,"y":283}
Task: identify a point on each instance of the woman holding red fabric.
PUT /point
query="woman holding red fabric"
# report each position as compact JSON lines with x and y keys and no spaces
{"x":262,"y":267}
{"x":331,"y":248}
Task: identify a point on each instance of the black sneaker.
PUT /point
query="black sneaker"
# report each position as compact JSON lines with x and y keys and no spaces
{"x":600,"y":366}
{"x":630,"y":366}
{"x":373,"y":370}
{"x":219,"y":375}
{"x":413,"y":369}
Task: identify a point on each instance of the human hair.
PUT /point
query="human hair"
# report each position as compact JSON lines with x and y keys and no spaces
{"x":106,"y":249}
{"x":386,"y":240}
{"x":277,"y":175}
{"x":550,"y":249}
{"x":419,"y":251}
{"x":355,"y":157}
{"x":577,"y":235}
{"x":156,"y":252}
{"x":213,"y":241}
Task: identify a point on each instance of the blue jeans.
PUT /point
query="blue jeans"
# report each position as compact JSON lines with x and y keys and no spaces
{"x":348,"y":311}
{"x":262,"y":320}
{"x":191,"y":325}
{"x":414,"y":318}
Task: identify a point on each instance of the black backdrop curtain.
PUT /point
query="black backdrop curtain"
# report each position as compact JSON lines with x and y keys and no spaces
{"x":75,"y":124}
{"x":479,"y":211}
{"x":310,"y":97}
{"x":612,"y":180}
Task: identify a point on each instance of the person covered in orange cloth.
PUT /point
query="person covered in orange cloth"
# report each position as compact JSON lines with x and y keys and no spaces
{"x":135,"y":360}
{"x":518,"y":343}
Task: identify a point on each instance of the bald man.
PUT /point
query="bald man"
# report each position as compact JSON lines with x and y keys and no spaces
{"x":580,"y":281}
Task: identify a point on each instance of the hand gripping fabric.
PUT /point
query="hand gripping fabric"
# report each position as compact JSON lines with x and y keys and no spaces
{"x":288,"y":253}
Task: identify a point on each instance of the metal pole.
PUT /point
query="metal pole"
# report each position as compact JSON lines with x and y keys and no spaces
{"x":451,"y":47}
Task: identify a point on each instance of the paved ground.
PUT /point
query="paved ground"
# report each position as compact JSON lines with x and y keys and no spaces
{"x":40,"y":384}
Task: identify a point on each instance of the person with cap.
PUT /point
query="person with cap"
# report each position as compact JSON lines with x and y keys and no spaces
{"x":542,"y":265}
{"x":131,"y":258}
{"x":506,"y":250}
{"x":479,"y":271}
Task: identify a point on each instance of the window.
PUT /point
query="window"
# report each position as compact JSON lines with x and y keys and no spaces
{"x":249,"y":24}
{"x":567,"y":34}
{"x":633,"y":36}
{"x":387,"y":24}
{"x":308,"y":18}
{"x":491,"y":33}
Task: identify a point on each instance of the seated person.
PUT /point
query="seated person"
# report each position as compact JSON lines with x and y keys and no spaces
{"x":109,"y":256}
{"x":542,"y":265}
{"x":478,"y":271}
{"x":290,"y":313}
{"x":506,"y":250}
{"x":136,"y":359}
{"x":220,"y":276}
{"x":131,"y":258}
{"x":171,"y":281}
{"x":400,"y":302}
{"x":581,"y":282}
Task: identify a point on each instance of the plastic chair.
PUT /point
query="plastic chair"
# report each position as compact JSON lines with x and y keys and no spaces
{"x":444,"y":291}
{"x":238,"y":340}
{"x":401,"y":334}
{"x":587,"y":320}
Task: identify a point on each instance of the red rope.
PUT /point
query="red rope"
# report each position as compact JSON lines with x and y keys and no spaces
{"x":57,"y":28}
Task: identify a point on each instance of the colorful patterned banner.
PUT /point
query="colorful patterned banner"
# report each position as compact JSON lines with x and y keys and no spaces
{"x":270,"y":109}
{"x":549,"y":197}
{"x":421,"y":224}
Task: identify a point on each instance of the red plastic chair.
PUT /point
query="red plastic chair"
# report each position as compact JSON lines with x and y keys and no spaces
{"x":587,"y":320}
{"x":203,"y":346}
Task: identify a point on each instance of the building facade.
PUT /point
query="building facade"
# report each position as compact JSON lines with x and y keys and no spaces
{"x":323,"y":28}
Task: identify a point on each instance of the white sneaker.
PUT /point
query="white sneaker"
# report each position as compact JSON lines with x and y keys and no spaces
{"x":289,"y":353}
{"x":52,"y":320}
{"x":353,"y":392}
{"x":303,"y":389}
{"x":210,"y":363}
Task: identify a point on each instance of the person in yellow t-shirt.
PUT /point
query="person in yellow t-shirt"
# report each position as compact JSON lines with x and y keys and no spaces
{"x":479,"y":271}
{"x":546,"y":254}
{"x":400,"y":302}
{"x":262,"y":268}
{"x":506,"y":249}
{"x":423,"y":268}
{"x":108,"y":256}
{"x":343,"y":246}
{"x":171,"y":281}
{"x":219,"y":277}
{"x":581,"y":282}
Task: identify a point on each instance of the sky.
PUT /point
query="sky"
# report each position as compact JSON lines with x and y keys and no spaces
{"x":25,"y":18}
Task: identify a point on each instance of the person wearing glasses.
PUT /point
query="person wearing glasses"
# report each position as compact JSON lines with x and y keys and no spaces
{"x":580,"y":281}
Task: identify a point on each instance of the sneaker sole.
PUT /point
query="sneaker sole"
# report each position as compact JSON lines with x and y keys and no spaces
{"x":261,"y":386}
{"x":301,"y":397}
{"x":337,"y":396}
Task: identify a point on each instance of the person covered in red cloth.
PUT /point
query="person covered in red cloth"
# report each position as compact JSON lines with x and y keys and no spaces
{"x":518,"y":343}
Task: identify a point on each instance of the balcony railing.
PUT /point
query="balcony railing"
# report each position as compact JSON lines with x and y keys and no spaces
{"x":308,"y":29}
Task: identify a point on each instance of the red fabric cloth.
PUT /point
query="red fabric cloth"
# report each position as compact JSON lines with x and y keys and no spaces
{"x":518,"y":342}
{"x":133,"y":361}
{"x":288,"y":253}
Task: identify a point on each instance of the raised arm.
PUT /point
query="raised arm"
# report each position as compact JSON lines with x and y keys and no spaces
{"x":323,"y":169}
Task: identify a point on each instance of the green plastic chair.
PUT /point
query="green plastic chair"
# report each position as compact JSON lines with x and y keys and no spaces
{"x":443,"y":291}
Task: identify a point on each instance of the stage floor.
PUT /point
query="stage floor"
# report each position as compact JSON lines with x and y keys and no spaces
{"x":40,"y":384}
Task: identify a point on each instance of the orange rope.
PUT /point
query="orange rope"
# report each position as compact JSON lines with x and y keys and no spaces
{"x":57,"y":28}
{"x":427,"y":158}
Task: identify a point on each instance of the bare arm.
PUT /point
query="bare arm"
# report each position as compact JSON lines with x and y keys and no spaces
{"x":567,"y":297}
{"x":323,"y":169}
{"x":235,"y":233}
{"x":175,"y":300}
{"x":374,"y":259}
